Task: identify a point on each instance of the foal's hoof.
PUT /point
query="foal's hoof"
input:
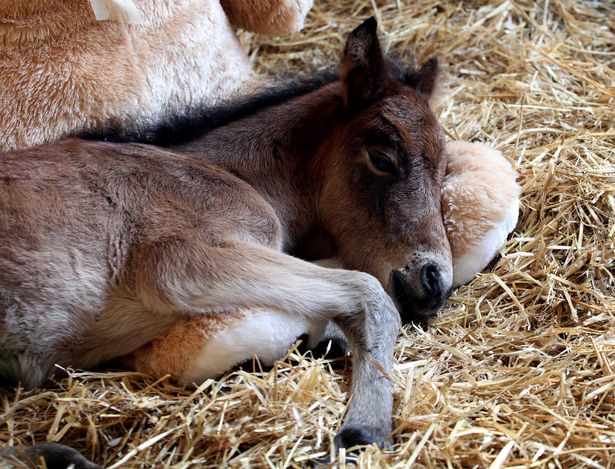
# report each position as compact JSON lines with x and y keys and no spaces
{"x":421,"y":320}
{"x":359,"y":436}
{"x":56,"y":456}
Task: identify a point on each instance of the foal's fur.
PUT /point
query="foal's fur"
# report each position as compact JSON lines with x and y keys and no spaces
{"x":103,"y":246}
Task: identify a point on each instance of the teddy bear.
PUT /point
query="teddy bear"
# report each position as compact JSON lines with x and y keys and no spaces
{"x":480,"y":205}
{"x":69,"y":66}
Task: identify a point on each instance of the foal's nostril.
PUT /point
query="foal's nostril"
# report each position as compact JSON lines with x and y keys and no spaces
{"x":431,"y":281}
{"x":400,"y":287}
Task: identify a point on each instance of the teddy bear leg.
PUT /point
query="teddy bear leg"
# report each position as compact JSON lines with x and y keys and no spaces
{"x":271,"y":17}
{"x":474,"y":260}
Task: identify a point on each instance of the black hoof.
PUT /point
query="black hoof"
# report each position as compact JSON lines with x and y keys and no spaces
{"x":355,"y":436}
{"x":423,"y":321}
{"x":56,"y":456}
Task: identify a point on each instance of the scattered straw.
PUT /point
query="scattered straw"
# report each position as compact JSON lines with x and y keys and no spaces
{"x":519,"y":370}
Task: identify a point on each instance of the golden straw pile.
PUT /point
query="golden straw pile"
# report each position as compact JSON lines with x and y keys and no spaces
{"x":519,"y":370}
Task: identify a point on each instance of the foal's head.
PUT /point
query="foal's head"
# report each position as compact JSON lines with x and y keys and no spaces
{"x":383,"y":176}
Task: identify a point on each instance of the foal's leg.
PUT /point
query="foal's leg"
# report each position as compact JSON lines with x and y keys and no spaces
{"x":331,"y":332}
{"x":191,"y":276}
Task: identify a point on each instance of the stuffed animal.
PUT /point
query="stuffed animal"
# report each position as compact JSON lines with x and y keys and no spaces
{"x":68,"y":66}
{"x":480,"y":203}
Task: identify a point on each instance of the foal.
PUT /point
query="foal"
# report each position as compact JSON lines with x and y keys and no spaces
{"x":104,"y":245}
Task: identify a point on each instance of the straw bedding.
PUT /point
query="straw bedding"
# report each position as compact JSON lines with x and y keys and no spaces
{"x":519,"y":368}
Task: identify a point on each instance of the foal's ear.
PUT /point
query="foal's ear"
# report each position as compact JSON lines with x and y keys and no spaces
{"x":425,"y":79}
{"x":363,"y":70}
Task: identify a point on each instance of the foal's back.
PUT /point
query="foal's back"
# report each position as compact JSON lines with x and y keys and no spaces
{"x":75,"y":216}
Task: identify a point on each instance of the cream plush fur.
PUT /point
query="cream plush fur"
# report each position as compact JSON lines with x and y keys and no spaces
{"x":62,"y":70}
{"x":480,"y":203}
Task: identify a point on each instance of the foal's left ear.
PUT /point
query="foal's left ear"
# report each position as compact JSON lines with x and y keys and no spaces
{"x":425,"y":79}
{"x":363,"y":72}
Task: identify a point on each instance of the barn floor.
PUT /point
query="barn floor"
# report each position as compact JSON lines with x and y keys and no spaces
{"x":519,"y":370}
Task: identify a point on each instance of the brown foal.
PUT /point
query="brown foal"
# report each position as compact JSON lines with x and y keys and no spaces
{"x":104,"y":245}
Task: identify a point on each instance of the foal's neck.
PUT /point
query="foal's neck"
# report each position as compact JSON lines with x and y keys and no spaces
{"x":275,"y":151}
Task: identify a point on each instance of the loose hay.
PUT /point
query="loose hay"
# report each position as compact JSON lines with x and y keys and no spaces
{"x":519,"y":369}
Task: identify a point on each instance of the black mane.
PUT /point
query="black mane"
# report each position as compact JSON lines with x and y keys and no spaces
{"x":196,"y":122}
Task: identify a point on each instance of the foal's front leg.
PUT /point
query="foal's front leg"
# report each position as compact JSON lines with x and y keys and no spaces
{"x":190,"y":276}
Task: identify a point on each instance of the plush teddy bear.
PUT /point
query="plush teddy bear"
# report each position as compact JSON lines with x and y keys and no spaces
{"x":480,"y":204}
{"x":67,"y":66}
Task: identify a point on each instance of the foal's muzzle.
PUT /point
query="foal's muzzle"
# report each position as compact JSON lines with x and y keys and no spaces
{"x":419,"y":295}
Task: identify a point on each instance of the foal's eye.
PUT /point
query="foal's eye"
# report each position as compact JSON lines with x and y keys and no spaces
{"x":382,"y":163}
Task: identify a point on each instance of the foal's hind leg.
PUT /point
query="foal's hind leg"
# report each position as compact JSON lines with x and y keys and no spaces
{"x":192,"y":276}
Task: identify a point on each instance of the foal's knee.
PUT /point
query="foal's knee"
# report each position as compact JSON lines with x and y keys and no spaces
{"x":381,"y":309}
{"x":373,"y":313}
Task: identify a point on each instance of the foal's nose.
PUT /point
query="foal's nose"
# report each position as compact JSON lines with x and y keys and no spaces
{"x":419,"y":294}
